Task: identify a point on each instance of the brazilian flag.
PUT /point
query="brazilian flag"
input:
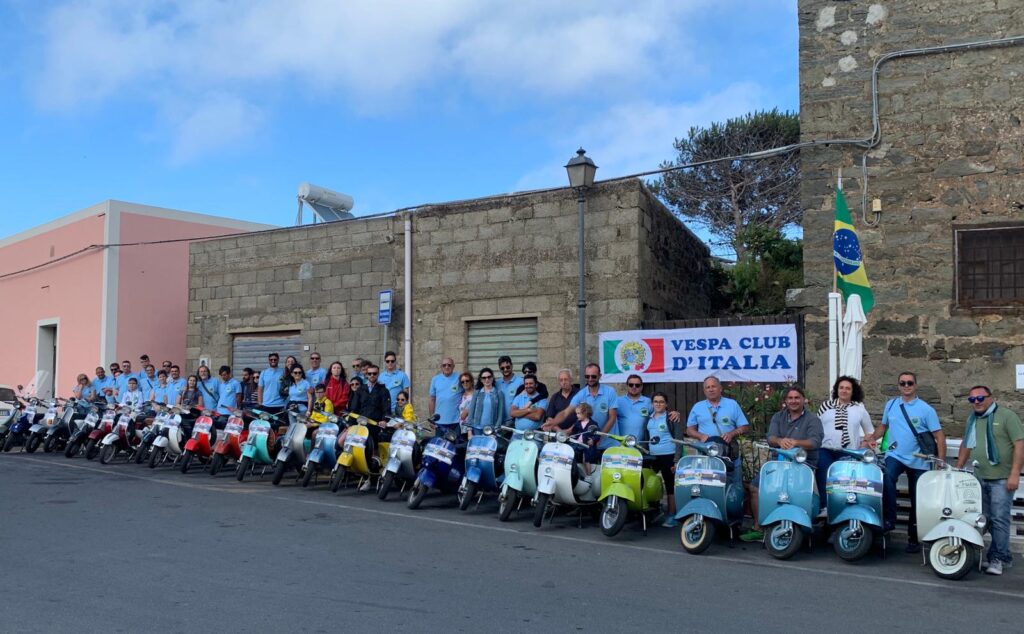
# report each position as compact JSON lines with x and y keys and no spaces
{"x":851,"y":278}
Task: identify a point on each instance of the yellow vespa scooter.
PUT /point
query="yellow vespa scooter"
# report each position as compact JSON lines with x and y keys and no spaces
{"x":359,"y":454}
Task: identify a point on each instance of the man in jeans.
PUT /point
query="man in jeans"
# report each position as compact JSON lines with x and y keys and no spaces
{"x":994,"y":437}
{"x":905,"y":417}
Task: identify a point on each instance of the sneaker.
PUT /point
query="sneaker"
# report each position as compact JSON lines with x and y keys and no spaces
{"x":671,"y":522}
{"x":994,"y":568}
{"x":753,"y":535}
{"x":912,"y":548}
{"x":365,"y":486}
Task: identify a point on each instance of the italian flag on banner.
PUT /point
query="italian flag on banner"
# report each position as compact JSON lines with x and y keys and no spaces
{"x":851,"y":278}
{"x":633,"y":357}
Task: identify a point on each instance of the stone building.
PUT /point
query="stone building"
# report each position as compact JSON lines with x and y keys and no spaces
{"x":946,"y":257}
{"x":488,"y":275}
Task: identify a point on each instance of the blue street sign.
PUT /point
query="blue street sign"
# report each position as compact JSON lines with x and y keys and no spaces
{"x":384,"y":307}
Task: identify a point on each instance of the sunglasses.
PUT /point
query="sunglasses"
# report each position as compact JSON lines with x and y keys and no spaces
{"x":631,"y":384}
{"x":504,"y":367}
{"x":314,"y":358}
{"x":591,"y":376}
{"x":296,"y":373}
{"x":447,"y":365}
{"x":389,"y":360}
{"x":906,"y":383}
{"x":465,"y":381}
{"x":371,"y":374}
{"x":486,"y":377}
{"x":976,"y":399}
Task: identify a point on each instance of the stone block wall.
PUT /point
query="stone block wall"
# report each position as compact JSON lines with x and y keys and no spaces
{"x":950,"y":153}
{"x":500,"y":257}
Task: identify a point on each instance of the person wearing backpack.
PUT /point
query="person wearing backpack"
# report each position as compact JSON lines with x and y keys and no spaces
{"x":913,"y":427}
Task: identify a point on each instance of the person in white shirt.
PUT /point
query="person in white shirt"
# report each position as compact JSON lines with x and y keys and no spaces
{"x":846,"y":423}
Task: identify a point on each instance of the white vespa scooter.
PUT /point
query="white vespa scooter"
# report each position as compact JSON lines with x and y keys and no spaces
{"x":556,"y":470}
{"x":949,"y":519}
{"x":404,"y":454}
{"x":170,"y":444}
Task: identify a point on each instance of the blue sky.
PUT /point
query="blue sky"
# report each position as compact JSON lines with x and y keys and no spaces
{"x":224,"y":107}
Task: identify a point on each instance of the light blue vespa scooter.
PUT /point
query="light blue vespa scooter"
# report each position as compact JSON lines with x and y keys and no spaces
{"x":787,"y":502}
{"x":520,"y":472}
{"x":485,"y":467}
{"x":705,"y":495}
{"x":325,"y":450}
{"x":853,"y":492}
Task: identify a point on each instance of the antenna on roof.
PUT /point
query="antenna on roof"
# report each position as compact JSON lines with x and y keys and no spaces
{"x":327,"y":205}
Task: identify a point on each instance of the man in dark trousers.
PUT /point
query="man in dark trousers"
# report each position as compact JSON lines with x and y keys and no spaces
{"x":374,"y":402}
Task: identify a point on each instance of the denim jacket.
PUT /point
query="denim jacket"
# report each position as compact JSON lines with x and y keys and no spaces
{"x":476,"y":410}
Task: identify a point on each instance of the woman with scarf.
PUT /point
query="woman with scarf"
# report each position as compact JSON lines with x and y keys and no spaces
{"x":846,"y":423}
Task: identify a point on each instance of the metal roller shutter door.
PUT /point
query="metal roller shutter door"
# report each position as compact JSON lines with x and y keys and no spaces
{"x":251,"y":350}
{"x":488,"y":340}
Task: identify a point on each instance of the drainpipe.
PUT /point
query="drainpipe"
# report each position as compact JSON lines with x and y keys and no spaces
{"x":407,"y":292}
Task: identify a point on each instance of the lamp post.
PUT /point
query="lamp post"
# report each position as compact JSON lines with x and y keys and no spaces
{"x":581,"y":172}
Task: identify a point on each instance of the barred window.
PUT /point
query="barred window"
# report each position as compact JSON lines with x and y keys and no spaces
{"x":990,"y":266}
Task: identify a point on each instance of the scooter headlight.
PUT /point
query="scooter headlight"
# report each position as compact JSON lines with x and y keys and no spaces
{"x":695,"y":491}
{"x":529,"y":435}
{"x":851,"y":498}
{"x":630,"y":441}
{"x":981,"y":522}
{"x":801,"y":456}
{"x":561,"y":436}
{"x":714,"y":450}
{"x":869,"y":456}
{"x":488,"y":431}
{"x":783,"y":498}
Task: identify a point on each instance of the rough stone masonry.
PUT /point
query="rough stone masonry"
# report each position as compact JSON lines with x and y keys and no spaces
{"x":950,"y":155}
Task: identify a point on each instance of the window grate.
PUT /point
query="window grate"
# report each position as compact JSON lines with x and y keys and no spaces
{"x":990,"y":266}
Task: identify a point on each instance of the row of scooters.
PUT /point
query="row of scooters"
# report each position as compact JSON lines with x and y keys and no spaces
{"x":536,"y":471}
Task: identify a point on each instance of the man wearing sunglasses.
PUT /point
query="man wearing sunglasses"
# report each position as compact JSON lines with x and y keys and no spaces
{"x":316,"y":374}
{"x":906,"y":417}
{"x":268,"y":392}
{"x":994,"y":438}
{"x":602,"y":400}
{"x":445,"y":394}
{"x":393,"y":377}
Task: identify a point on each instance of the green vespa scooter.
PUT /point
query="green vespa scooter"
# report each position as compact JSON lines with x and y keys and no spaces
{"x":256,"y":451}
{"x":628,"y":488}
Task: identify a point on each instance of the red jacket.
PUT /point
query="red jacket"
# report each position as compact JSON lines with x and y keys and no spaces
{"x":338,"y":392}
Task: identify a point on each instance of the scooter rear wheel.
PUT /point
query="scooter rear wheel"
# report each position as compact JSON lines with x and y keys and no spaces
{"x":540,"y":509}
{"x":385,"y":485}
{"x":216,"y":463}
{"x":416,"y":496}
{"x":782,"y":543}
{"x":508,"y":504}
{"x":243,"y":467}
{"x":696,"y":535}
{"x":467,"y":495}
{"x":952,"y":562}
{"x":851,"y":546}
{"x":279,"y":470}
{"x":613,"y":515}
{"x":33,"y":443}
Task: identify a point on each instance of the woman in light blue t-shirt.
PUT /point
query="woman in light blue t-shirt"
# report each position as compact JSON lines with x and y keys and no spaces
{"x":663,"y":451}
{"x":300,"y":391}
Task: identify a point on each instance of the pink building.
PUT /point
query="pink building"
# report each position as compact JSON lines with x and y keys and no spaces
{"x":99,"y":304}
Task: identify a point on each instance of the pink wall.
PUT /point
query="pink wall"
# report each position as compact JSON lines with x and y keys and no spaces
{"x":152,"y":304}
{"x":70,"y":291}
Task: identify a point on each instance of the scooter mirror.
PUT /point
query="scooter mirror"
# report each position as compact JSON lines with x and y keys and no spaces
{"x":591,"y":429}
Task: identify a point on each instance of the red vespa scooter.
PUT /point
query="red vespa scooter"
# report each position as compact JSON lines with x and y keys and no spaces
{"x":201,"y":442}
{"x":229,"y":444}
{"x":96,"y":436}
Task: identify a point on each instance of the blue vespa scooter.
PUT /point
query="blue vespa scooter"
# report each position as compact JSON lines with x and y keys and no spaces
{"x":705,"y":495}
{"x":442,"y":466}
{"x":787,"y":502}
{"x":325,"y":450}
{"x":485,"y":467}
{"x":853,"y":492}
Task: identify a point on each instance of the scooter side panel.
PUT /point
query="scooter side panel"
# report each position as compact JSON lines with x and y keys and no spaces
{"x":954,"y":528}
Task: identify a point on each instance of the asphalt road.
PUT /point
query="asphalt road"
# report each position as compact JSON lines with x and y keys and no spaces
{"x":87,"y":547}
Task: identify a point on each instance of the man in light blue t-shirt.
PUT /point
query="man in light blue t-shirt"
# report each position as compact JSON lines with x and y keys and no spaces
{"x":528,"y":406}
{"x":315,"y":374}
{"x":229,"y":396}
{"x":268,"y":391}
{"x":445,"y":393}
{"x":716,"y":415}
{"x":392,"y":377}
{"x":899,"y":416}
{"x":508,"y":383}
{"x":633,"y":408}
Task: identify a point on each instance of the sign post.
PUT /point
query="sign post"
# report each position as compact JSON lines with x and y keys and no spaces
{"x":384,"y":303}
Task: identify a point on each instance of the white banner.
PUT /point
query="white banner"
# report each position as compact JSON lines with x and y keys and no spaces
{"x":732,"y":353}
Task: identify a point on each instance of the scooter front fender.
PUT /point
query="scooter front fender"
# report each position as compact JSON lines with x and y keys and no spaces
{"x":514,"y":480}
{"x":161,"y":442}
{"x":954,"y":528}
{"x":345,"y":460}
{"x":427,"y":478}
{"x":701,"y":506}
{"x":618,"y":490}
{"x":109,"y":439}
{"x":789,"y":512}
{"x":37,"y":428}
{"x":547,"y":484}
{"x":860,"y":512}
{"x":473,"y":474}
{"x":315,"y":456}
{"x":394,"y":464}
{"x":284,"y":454}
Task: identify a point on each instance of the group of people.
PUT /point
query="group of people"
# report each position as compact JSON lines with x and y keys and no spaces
{"x":994,"y":437}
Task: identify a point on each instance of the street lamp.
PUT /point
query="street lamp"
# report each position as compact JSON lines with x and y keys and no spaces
{"x":581,"y":172}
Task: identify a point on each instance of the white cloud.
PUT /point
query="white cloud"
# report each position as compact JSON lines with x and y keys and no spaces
{"x":219,"y":121}
{"x":629,"y":138}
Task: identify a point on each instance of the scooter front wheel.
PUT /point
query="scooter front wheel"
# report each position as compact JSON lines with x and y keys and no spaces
{"x":107,"y":454}
{"x":952,"y":558}
{"x":216,"y":463}
{"x":468,"y":493}
{"x":155,"y":457}
{"x":72,"y":449}
{"x":851,"y":542}
{"x":49,"y":444}
{"x":416,"y":496}
{"x":696,"y":534}
{"x":783,"y":540}
{"x":385,"y":485}
{"x":337,"y":478}
{"x":307,"y":476}
{"x":540,"y":509}
{"x":279,"y":470}
{"x":508,"y":504}
{"x":33,"y":443}
{"x":613,"y":515}
{"x":140,"y":455}
{"x":186,"y":461}
{"x":243,"y":466}
{"x":91,"y":449}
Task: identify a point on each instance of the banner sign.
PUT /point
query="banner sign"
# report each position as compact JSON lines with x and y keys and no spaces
{"x":766,"y":353}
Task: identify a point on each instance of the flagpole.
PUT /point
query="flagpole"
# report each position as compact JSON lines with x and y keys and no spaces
{"x":835,"y":312}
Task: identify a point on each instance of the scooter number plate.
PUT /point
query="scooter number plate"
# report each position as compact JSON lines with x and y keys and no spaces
{"x":122,"y":422}
{"x":626,"y":463}
{"x":108,"y":417}
{"x":556,"y":459}
{"x":354,"y":440}
{"x":700,"y":477}
{"x":233,"y":427}
{"x":202,"y":427}
{"x":440,"y":453}
{"x":480,"y":453}
{"x":402,"y":442}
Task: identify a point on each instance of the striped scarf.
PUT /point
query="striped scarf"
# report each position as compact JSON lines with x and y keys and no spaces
{"x":841,"y":418}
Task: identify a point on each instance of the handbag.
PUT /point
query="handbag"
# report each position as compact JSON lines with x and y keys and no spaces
{"x":925,"y":441}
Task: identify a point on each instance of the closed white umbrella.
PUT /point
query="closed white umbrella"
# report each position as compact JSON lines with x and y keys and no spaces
{"x":851,"y":357}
